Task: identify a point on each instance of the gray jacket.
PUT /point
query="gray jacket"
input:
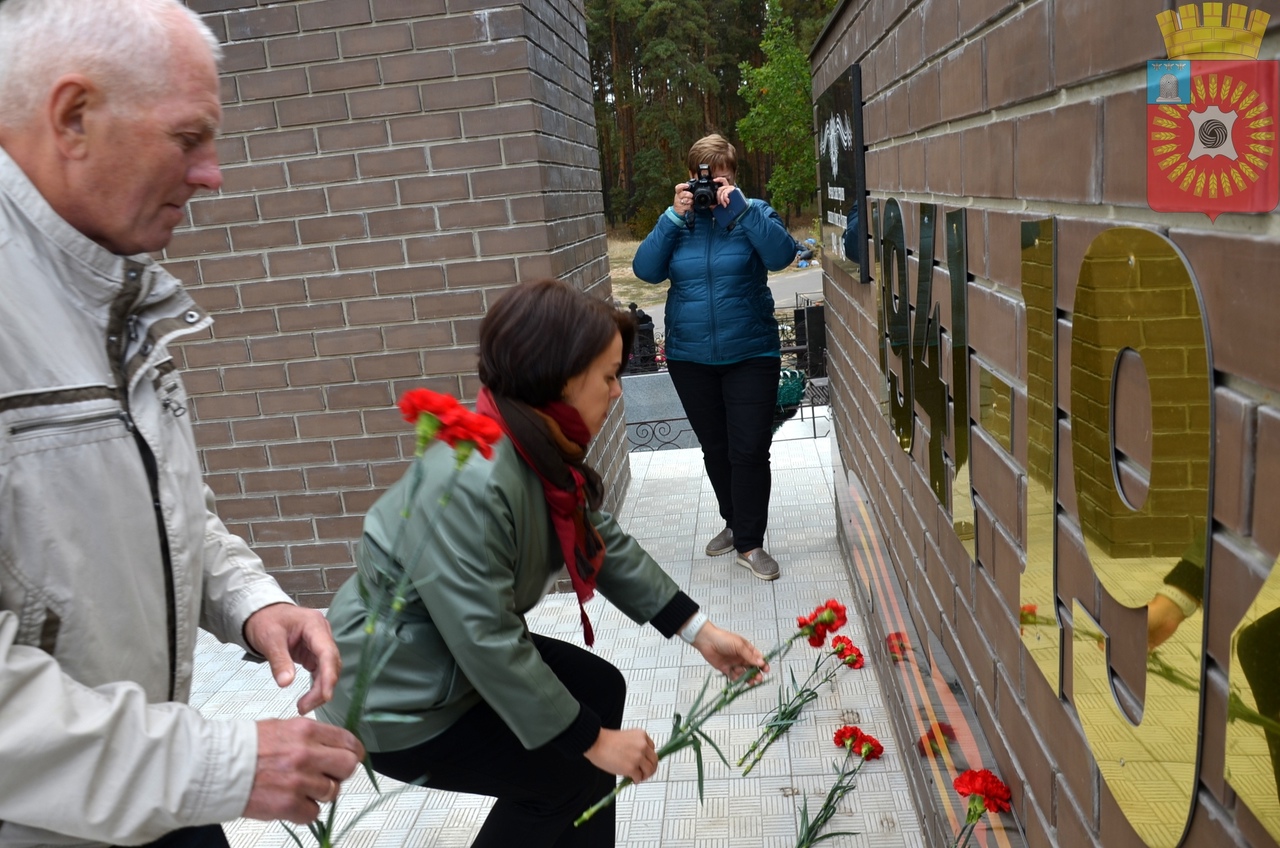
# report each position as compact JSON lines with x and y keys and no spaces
{"x":110,"y":552}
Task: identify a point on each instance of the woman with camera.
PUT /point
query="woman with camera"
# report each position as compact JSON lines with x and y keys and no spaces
{"x":489,"y":707}
{"x":722,"y":349}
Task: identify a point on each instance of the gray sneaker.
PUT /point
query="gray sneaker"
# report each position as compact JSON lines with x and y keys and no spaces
{"x":761,"y":564}
{"x":721,"y":544}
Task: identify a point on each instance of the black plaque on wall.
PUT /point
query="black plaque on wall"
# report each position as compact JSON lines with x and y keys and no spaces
{"x":842,"y":174}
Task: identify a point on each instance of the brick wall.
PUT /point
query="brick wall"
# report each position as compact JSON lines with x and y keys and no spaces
{"x":390,"y":168}
{"x":1017,"y":112}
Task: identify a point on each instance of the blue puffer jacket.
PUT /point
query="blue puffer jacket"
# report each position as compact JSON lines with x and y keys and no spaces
{"x":719,"y":308}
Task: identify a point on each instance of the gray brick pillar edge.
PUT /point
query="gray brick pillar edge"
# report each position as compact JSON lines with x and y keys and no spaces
{"x":390,"y":168}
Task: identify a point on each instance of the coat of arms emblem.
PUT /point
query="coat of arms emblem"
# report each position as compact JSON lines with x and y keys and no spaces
{"x":1211,"y":114}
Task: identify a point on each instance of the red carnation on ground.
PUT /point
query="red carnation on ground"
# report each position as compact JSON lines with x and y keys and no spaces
{"x":845,"y":736}
{"x":986,"y":793}
{"x":984,"y":788}
{"x":848,"y":653}
{"x":869,"y":747}
{"x":854,"y":740}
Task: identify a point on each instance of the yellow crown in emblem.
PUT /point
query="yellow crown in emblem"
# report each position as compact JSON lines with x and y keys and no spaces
{"x":1189,"y":36}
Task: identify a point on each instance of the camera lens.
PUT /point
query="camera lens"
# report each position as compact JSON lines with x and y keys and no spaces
{"x":704,"y":194}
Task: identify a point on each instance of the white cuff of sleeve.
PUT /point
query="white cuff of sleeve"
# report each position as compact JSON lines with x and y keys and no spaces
{"x":1180,"y":599}
{"x":690,"y":631}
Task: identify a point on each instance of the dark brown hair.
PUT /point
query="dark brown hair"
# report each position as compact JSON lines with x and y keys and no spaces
{"x":540,"y":334}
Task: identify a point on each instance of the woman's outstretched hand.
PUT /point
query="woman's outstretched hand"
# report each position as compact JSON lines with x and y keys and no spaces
{"x":728,"y":653}
{"x":629,"y":753}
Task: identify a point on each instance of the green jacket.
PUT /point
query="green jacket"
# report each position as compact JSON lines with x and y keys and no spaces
{"x":478,"y":564}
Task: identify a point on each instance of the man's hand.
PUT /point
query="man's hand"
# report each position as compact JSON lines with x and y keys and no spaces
{"x":629,"y":753}
{"x":727,"y":652}
{"x":285,"y":634}
{"x":301,"y":764}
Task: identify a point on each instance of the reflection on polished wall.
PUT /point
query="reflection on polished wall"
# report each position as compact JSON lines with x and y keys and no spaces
{"x":1137,"y":312}
{"x":1253,"y":707}
{"x":1140,"y":432}
{"x":1038,"y":605}
{"x":1101,"y":567}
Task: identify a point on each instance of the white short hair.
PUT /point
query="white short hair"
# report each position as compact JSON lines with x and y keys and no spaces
{"x":123,"y":43}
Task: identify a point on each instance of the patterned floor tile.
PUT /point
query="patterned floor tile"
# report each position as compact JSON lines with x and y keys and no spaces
{"x":672,"y":510}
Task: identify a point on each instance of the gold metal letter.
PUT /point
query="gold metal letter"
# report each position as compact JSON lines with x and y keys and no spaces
{"x":1136,"y":295}
{"x":1038,"y":615}
{"x":896,"y":304}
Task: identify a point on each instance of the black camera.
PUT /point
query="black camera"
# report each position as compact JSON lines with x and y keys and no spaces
{"x":703,"y":188}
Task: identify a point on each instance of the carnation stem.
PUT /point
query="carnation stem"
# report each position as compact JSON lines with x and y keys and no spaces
{"x":788,"y":712}
{"x":687,"y":733}
{"x":843,"y":786}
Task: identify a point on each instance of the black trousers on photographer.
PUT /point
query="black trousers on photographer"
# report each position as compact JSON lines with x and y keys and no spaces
{"x":730,"y":408}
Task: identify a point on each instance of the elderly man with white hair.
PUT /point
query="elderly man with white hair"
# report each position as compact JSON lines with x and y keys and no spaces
{"x":111,"y":555}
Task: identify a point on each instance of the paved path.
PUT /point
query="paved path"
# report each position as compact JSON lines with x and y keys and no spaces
{"x":671,"y":510}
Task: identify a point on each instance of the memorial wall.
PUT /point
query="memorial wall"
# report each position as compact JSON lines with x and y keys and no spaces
{"x":1050,"y":261}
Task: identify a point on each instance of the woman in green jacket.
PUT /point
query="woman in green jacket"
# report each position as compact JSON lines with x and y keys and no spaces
{"x":533,"y":721}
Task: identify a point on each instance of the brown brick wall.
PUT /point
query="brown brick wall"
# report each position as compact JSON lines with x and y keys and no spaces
{"x":390,"y":168}
{"x":1025,"y":111}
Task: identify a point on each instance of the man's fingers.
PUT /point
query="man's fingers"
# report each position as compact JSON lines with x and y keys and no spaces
{"x":287,"y":634}
{"x":281,"y":665}
{"x":300,"y":763}
{"x":325,"y":665}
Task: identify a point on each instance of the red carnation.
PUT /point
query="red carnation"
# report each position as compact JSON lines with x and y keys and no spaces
{"x":826,"y":619}
{"x":847,"y":652}
{"x":854,"y":740}
{"x":465,"y":426}
{"x":439,"y":416}
{"x":869,"y":747}
{"x":417,"y":401}
{"x":846,"y":736}
{"x":981,"y":783}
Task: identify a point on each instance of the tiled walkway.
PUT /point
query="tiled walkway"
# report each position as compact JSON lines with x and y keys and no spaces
{"x":671,"y":510}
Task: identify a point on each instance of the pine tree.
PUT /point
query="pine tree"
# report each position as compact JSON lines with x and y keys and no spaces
{"x":780,"y":120}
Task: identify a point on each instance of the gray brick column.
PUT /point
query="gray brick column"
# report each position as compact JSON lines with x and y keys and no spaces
{"x":390,"y":168}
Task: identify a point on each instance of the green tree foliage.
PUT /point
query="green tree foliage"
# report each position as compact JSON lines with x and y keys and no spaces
{"x":665,"y":73}
{"x":809,"y":16}
{"x":780,"y":120}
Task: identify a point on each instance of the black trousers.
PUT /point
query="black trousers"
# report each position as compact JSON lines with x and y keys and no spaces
{"x":208,"y":836}
{"x":540,"y":792}
{"x":730,"y":408}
